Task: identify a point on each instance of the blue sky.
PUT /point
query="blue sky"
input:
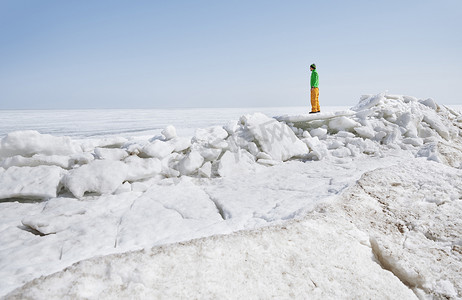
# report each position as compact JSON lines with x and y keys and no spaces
{"x":160,"y":54}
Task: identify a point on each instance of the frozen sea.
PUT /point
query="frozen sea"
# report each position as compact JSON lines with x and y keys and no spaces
{"x":360,"y":202}
{"x":97,"y":123}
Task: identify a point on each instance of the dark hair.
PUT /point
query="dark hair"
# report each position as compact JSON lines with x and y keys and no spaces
{"x":313,"y":66}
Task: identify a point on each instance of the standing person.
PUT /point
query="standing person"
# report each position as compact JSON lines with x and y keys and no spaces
{"x":314,"y":90}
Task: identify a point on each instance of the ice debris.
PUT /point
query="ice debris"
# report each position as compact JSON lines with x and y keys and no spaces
{"x":376,"y":124}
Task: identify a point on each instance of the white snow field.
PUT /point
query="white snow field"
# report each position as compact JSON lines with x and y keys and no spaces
{"x":362,"y":203}
{"x":100,"y":123}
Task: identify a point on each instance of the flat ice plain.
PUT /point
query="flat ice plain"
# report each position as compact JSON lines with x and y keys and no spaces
{"x":360,"y":203}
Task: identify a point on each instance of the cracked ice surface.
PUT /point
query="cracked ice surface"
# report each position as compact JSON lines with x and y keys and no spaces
{"x":171,"y":211}
{"x":385,"y":236}
{"x":363,"y":203}
{"x":286,"y":261}
{"x":413,"y":214}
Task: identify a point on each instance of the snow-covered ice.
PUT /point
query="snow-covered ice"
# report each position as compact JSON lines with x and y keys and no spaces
{"x":283,"y":262}
{"x":99,"y":176}
{"x":41,"y":182}
{"x":358,"y":203}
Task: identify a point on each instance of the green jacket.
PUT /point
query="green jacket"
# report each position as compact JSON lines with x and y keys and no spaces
{"x":314,"y":79}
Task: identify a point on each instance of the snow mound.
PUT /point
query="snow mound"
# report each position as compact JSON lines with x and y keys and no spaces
{"x":40,"y":182}
{"x":190,"y":163}
{"x":273,"y":138}
{"x":37,"y":160}
{"x":212,"y":136}
{"x":100,"y":176}
{"x":241,"y":162}
{"x":142,"y":168}
{"x":382,"y":122}
{"x":158,"y":149}
{"x":169,"y":132}
{"x":28,"y":143}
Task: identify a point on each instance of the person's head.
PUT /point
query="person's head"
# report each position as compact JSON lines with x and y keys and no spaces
{"x":312,"y":67}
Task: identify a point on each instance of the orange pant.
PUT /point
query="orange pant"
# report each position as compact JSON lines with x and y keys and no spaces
{"x":315,"y":100}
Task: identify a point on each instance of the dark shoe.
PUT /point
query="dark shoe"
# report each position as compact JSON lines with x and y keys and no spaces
{"x":318,"y":111}
{"x":313,"y":112}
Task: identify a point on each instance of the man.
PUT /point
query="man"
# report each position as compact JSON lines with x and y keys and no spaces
{"x":314,"y":90}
